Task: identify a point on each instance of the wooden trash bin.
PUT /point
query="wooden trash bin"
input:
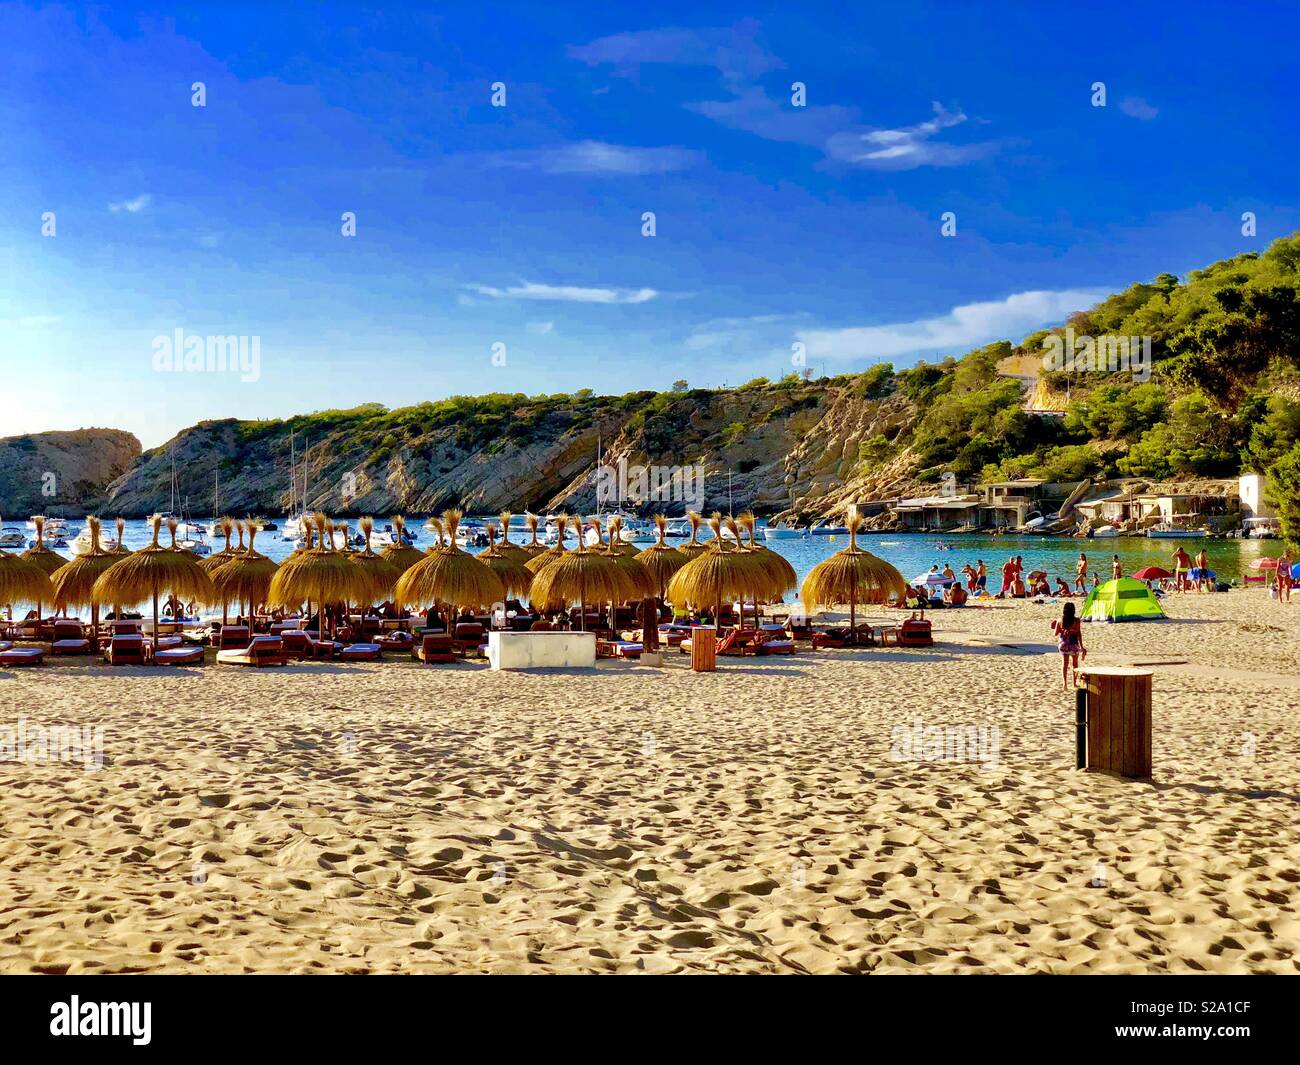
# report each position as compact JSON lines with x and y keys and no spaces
{"x":704,"y":650}
{"x":1114,"y":706}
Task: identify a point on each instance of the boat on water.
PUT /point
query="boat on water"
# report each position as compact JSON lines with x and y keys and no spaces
{"x":1166,"y":531}
{"x":53,"y":527}
{"x":1260,"y":528}
{"x":388,"y":535}
{"x":80,"y":545}
{"x":828,"y":530}
{"x":191,"y":537}
{"x":677,"y":529}
{"x":784,"y":531}
{"x":12,"y":537}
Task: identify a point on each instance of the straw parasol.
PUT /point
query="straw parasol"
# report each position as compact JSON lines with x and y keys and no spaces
{"x":847,"y":574}
{"x":516,"y":577}
{"x":549,"y":554}
{"x":692,"y":548}
{"x":23,"y":581}
{"x":74,"y":582}
{"x":515,"y":551}
{"x":245,"y":576}
{"x":382,"y":573}
{"x":660,"y":560}
{"x":532,"y":548}
{"x":47,"y":561}
{"x":578,"y":575}
{"x":143,"y":575}
{"x":320,"y":575}
{"x":624,"y":557}
{"x":780,"y":575}
{"x":399,"y":552}
{"x":715,"y":574}
{"x":446,"y":574}
{"x":217,"y":558}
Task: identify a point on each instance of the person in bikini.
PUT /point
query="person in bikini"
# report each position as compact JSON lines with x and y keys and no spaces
{"x":1081,"y":573}
{"x":1069,"y":641}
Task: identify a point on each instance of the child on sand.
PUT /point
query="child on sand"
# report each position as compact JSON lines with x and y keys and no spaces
{"x":1069,"y":641}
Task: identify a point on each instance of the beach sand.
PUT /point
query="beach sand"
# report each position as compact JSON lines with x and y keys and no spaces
{"x":399,"y":818}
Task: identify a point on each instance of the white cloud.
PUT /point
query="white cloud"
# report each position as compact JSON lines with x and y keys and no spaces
{"x":134,"y":206}
{"x":734,"y":51}
{"x":724,"y":331}
{"x":960,"y":329}
{"x":1136,"y":107}
{"x":597,"y":157}
{"x":532,"y":290}
{"x":908,"y":146}
{"x":540,"y":328}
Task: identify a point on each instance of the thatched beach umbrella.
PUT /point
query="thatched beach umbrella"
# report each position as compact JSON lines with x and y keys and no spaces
{"x":319,"y":575}
{"x":660,"y":560}
{"x":74,"y":582}
{"x":515,"y":551}
{"x":23,"y":581}
{"x":779,"y":576}
{"x":716,"y":573}
{"x":246,"y":576}
{"x":693,"y":548}
{"x":446,"y":574}
{"x":41,"y":556}
{"x":549,"y":554}
{"x":138,"y":577}
{"x":533,"y":548}
{"x":625,"y":558}
{"x":578,"y":576}
{"x":217,"y":558}
{"x":399,"y":552}
{"x":849,"y":574}
{"x":382,"y":573}
{"x":516,"y":577}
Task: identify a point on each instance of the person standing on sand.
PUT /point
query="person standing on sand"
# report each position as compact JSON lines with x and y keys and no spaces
{"x":1081,"y":573}
{"x":1069,"y":641}
{"x":1284,"y":576}
{"x":981,"y":575}
{"x":1182,"y":563}
{"x":1116,"y":570}
{"x":1201,"y":571}
{"x":1008,"y":577}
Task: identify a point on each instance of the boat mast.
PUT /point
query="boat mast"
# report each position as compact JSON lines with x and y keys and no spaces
{"x":293,"y":483}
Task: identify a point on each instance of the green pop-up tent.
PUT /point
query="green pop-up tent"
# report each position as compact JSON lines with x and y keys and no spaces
{"x":1122,"y":600}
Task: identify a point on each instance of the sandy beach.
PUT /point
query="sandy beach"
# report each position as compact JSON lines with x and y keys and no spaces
{"x":399,"y":818}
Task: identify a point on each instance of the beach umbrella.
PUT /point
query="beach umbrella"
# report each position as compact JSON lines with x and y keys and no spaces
{"x":319,"y":575}
{"x":780,"y":575}
{"x":510,"y":567}
{"x":533,"y":548}
{"x":693,"y":548}
{"x":660,"y":560}
{"x":847,"y":574}
{"x":578,"y":575}
{"x":624,"y":556}
{"x":1152,"y":573}
{"x":516,"y":551}
{"x":74,"y":582}
{"x":446,"y":574}
{"x":137,"y":577}
{"x":717,"y":572}
{"x":1264,"y":563}
{"x":246,"y":576}
{"x":23,"y":581}
{"x":549,"y":554}
{"x":41,"y":556}
{"x":399,"y":552}
{"x":381,"y":572}
{"x":216,"y":559}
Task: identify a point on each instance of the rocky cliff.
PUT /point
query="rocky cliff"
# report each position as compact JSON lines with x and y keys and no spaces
{"x":63,"y":473}
{"x":785,"y":444}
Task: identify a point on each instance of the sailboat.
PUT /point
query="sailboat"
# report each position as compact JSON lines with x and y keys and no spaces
{"x":214,"y":526}
{"x":297,"y":519}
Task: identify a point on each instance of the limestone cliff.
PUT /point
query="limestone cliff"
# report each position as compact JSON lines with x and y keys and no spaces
{"x":62,"y":473}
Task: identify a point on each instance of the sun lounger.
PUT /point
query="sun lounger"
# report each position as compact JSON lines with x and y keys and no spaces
{"x":127,"y":651}
{"x":772,"y":640}
{"x":324,"y":649}
{"x":233,"y":637}
{"x":69,"y":639}
{"x":469,"y":635}
{"x":22,"y":656}
{"x":5,"y":645}
{"x":179,"y":656}
{"x":396,"y":641}
{"x":911,"y":633}
{"x":296,"y":643}
{"x":435,"y":648}
{"x":261,"y":651}
{"x":618,"y":649}
{"x":362,"y":652}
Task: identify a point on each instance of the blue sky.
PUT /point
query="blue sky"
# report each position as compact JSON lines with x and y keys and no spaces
{"x":522,"y":225}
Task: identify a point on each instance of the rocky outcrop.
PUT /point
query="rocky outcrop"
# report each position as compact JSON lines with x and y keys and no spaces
{"x":63,"y":473}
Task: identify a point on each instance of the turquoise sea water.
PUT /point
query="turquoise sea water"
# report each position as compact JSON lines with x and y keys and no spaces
{"x":914,"y":554}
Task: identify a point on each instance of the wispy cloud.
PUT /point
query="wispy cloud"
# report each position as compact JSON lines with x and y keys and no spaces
{"x":961,"y":328}
{"x":839,"y":131}
{"x":597,"y":157}
{"x":532,"y":290}
{"x":908,"y":146}
{"x":720,"y":332}
{"x":1136,"y":107}
{"x":134,"y":206}
{"x":540,"y":329}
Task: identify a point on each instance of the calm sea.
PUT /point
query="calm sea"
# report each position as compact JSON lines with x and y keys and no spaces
{"x":914,"y":554}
